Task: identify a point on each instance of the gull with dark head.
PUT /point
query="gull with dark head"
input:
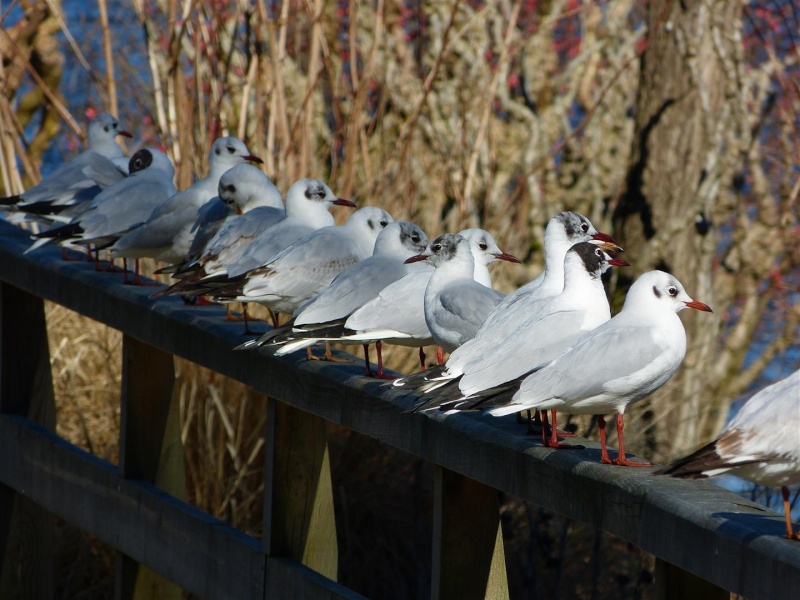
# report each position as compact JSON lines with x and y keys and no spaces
{"x":166,"y":234}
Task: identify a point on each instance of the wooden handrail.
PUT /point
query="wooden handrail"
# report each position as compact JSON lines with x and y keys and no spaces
{"x":696,"y":526}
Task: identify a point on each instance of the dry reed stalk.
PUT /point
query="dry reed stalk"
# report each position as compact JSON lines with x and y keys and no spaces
{"x":108,"y":55}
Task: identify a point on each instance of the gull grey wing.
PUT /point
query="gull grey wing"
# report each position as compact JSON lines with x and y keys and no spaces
{"x":526,"y":349}
{"x":610,"y":352}
{"x":468,"y":304}
{"x":103,"y":171}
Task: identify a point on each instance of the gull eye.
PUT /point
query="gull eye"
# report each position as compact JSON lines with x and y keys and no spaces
{"x":598,"y":253}
{"x":584,"y":227}
{"x":672,"y":291}
{"x":384,"y":223}
{"x":231,"y":188}
{"x":436,"y":247}
{"x":231,"y":149}
{"x":483,"y":245}
{"x":415,"y":239}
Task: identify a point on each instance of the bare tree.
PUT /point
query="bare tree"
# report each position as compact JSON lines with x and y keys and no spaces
{"x":694,"y":141}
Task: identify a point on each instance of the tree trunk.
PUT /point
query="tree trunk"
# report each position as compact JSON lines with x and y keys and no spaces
{"x":685,"y":150}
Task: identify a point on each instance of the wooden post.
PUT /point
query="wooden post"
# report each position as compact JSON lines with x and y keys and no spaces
{"x":673,"y":583}
{"x":298,"y":496}
{"x":468,"y":556}
{"x":27,"y":531}
{"x":149,"y":449}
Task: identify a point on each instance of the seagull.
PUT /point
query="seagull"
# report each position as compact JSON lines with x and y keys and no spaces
{"x":308,"y":204}
{"x":165,"y":235}
{"x":543,"y":336}
{"x":455,"y":304}
{"x":563,"y":231}
{"x":350,"y":290}
{"x":242,"y":189}
{"x":620,"y":362}
{"x":255,"y":238}
{"x":120,"y":206}
{"x":397,"y":314}
{"x":301,"y":271}
{"x":77,"y":180}
{"x":760,"y":444}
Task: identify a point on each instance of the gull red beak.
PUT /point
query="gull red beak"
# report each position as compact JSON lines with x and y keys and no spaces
{"x":618,"y":262}
{"x":124,"y":133}
{"x":254,"y":159}
{"x":699,"y":306}
{"x":343,"y":202}
{"x":417,"y":258}
{"x":508,"y":257}
{"x":606,"y":242}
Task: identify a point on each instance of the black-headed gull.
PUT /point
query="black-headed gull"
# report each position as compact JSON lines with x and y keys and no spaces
{"x":76,"y":180}
{"x":397,"y":314}
{"x":455,"y":304}
{"x":301,"y":271}
{"x":618,"y":363}
{"x":308,"y":204}
{"x":241,"y":190}
{"x":120,"y":206}
{"x":256,"y":237}
{"x":350,"y":290}
{"x":166,"y":234}
{"x":563,"y":231}
{"x":543,"y":336}
{"x":760,"y":444}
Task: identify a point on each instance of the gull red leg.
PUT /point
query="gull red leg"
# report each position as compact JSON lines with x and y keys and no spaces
{"x":439,"y":355}
{"x":787,"y":511}
{"x":553,"y":441}
{"x":621,"y":460}
{"x":379,"y":348}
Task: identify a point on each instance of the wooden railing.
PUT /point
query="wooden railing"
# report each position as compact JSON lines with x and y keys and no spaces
{"x":706,"y":540}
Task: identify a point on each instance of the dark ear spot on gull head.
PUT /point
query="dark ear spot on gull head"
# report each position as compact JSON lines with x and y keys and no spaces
{"x":656,"y":292}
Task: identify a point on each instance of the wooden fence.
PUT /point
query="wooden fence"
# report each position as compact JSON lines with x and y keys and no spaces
{"x":706,"y":540}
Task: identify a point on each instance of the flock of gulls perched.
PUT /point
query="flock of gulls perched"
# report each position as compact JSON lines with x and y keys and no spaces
{"x":552,"y":345}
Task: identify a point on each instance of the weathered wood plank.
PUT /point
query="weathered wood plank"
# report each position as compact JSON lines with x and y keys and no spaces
{"x":149,"y":449}
{"x":739,"y":545}
{"x":468,"y":555}
{"x":298,"y":497}
{"x":27,"y":531}
{"x":215,"y":560}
